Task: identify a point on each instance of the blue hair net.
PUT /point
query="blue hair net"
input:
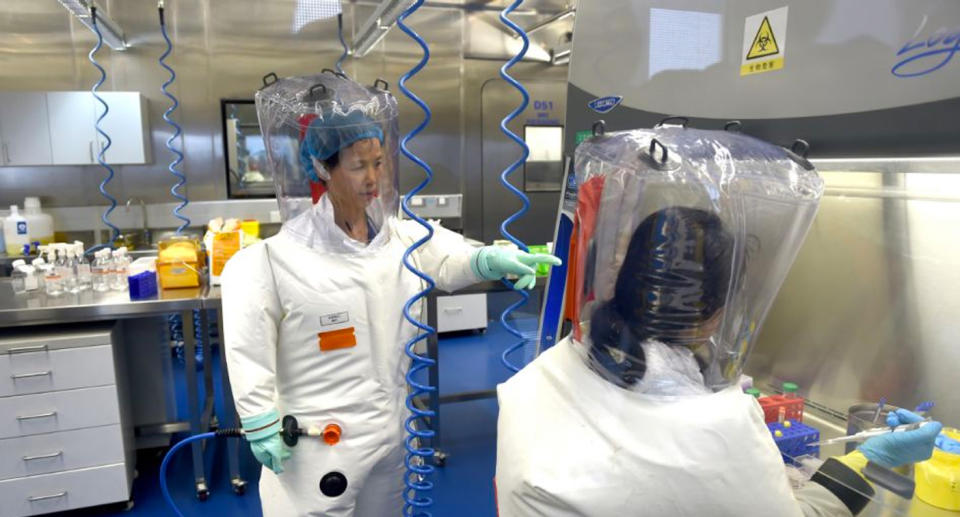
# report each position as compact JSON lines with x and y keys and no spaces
{"x":326,"y":136}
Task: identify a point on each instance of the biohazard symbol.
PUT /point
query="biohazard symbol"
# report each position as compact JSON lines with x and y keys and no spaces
{"x":764,"y":43}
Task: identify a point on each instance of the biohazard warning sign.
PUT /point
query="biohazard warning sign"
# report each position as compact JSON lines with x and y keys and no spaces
{"x":764,"y":42}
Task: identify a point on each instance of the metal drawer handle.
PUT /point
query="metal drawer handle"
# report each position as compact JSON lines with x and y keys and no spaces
{"x":41,"y":415}
{"x":25,"y":349}
{"x":45,"y":497}
{"x":453,"y":309}
{"x":43,"y":456}
{"x":28,"y":375}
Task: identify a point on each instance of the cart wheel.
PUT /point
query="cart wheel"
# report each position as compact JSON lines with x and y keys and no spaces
{"x":203,"y":493}
{"x":440,"y":459}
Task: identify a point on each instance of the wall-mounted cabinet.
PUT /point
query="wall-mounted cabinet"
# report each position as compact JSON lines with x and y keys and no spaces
{"x":24,"y":133}
{"x":57,"y":128}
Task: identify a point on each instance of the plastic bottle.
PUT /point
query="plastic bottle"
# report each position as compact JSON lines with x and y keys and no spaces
{"x":84,"y":277}
{"x":100,"y":271}
{"x":40,"y":266}
{"x":15,"y":232}
{"x":51,"y":280}
{"x":18,"y":278}
{"x":73,"y":264}
{"x":40,"y":224}
{"x":790,"y":390}
{"x":65,"y":270}
{"x":30,"y":280}
{"x":120,"y":269}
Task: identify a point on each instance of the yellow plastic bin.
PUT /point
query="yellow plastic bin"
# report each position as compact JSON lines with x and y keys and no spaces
{"x":251,"y":228}
{"x":938,"y":479}
{"x":178,"y":262}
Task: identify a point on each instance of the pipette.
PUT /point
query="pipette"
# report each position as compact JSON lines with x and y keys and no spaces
{"x":870,"y":433}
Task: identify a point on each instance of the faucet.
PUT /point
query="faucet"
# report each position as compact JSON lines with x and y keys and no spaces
{"x":143,"y":215}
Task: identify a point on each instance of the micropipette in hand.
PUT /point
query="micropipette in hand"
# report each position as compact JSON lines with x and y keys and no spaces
{"x":870,"y":433}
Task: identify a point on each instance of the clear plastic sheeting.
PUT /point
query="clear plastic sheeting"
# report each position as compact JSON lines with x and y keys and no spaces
{"x":683,"y":238}
{"x":332,"y":150}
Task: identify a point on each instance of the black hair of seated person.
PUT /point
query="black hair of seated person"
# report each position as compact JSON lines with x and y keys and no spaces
{"x":674,"y":278}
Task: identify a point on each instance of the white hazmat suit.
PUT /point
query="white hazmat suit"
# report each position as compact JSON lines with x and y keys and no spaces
{"x":683,"y":239}
{"x":313,"y":316}
{"x":278,"y":295}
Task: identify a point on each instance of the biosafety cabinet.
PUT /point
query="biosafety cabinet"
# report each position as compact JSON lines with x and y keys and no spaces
{"x":862,"y":78}
{"x":869,"y":307}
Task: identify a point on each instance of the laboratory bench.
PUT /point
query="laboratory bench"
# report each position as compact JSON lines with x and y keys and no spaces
{"x":139,"y":339}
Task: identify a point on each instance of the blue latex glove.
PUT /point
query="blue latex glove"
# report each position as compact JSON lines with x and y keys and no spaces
{"x":896,"y":449}
{"x":947,"y":444}
{"x":263,"y":433}
{"x":496,"y":262}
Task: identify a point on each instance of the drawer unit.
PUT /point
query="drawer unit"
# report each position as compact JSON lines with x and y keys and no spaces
{"x":42,"y":369}
{"x":47,"y":493}
{"x":25,"y":415}
{"x":56,"y":452}
{"x":461,"y":312}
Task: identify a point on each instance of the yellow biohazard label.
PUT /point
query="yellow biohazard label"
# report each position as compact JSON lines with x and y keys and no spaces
{"x":764,"y":43}
{"x":762,"y":66}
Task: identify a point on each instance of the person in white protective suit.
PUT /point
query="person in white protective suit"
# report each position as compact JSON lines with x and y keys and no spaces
{"x":683,"y":240}
{"x":313,"y":316}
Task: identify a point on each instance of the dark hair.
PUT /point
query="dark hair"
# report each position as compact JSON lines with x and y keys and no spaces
{"x":674,"y":278}
{"x":331,"y":162}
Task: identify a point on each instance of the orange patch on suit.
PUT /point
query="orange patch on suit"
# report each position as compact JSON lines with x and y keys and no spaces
{"x":336,"y":339}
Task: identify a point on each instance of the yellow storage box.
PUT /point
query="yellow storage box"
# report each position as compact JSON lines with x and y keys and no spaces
{"x":178,"y":263}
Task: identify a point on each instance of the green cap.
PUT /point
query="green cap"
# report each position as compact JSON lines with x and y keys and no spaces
{"x":789,"y":387}
{"x":753,"y":391}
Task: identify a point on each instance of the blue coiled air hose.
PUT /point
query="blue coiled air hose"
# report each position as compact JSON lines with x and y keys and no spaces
{"x":105,"y":217}
{"x":221,"y":433}
{"x":177,"y":130}
{"x":504,"y":179}
{"x":418,"y":458}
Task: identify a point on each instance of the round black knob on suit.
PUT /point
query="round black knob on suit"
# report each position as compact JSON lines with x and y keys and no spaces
{"x":333,"y":484}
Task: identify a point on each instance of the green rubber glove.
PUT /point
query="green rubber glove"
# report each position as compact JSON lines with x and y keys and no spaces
{"x":496,"y":262}
{"x":893,"y":450}
{"x":263,"y":433}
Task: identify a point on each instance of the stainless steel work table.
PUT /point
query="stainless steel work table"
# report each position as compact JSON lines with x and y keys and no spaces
{"x":36,"y":308}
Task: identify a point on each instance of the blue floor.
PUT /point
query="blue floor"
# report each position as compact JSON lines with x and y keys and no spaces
{"x":464,"y":487}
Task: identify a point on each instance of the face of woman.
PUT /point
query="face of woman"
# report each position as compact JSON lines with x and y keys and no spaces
{"x":355,"y":180}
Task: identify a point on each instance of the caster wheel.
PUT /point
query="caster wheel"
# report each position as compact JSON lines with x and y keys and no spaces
{"x":440,"y":459}
{"x":128,"y":506}
{"x":203,"y":493}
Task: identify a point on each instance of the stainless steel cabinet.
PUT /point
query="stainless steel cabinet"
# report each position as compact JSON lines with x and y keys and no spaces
{"x":65,"y":435}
